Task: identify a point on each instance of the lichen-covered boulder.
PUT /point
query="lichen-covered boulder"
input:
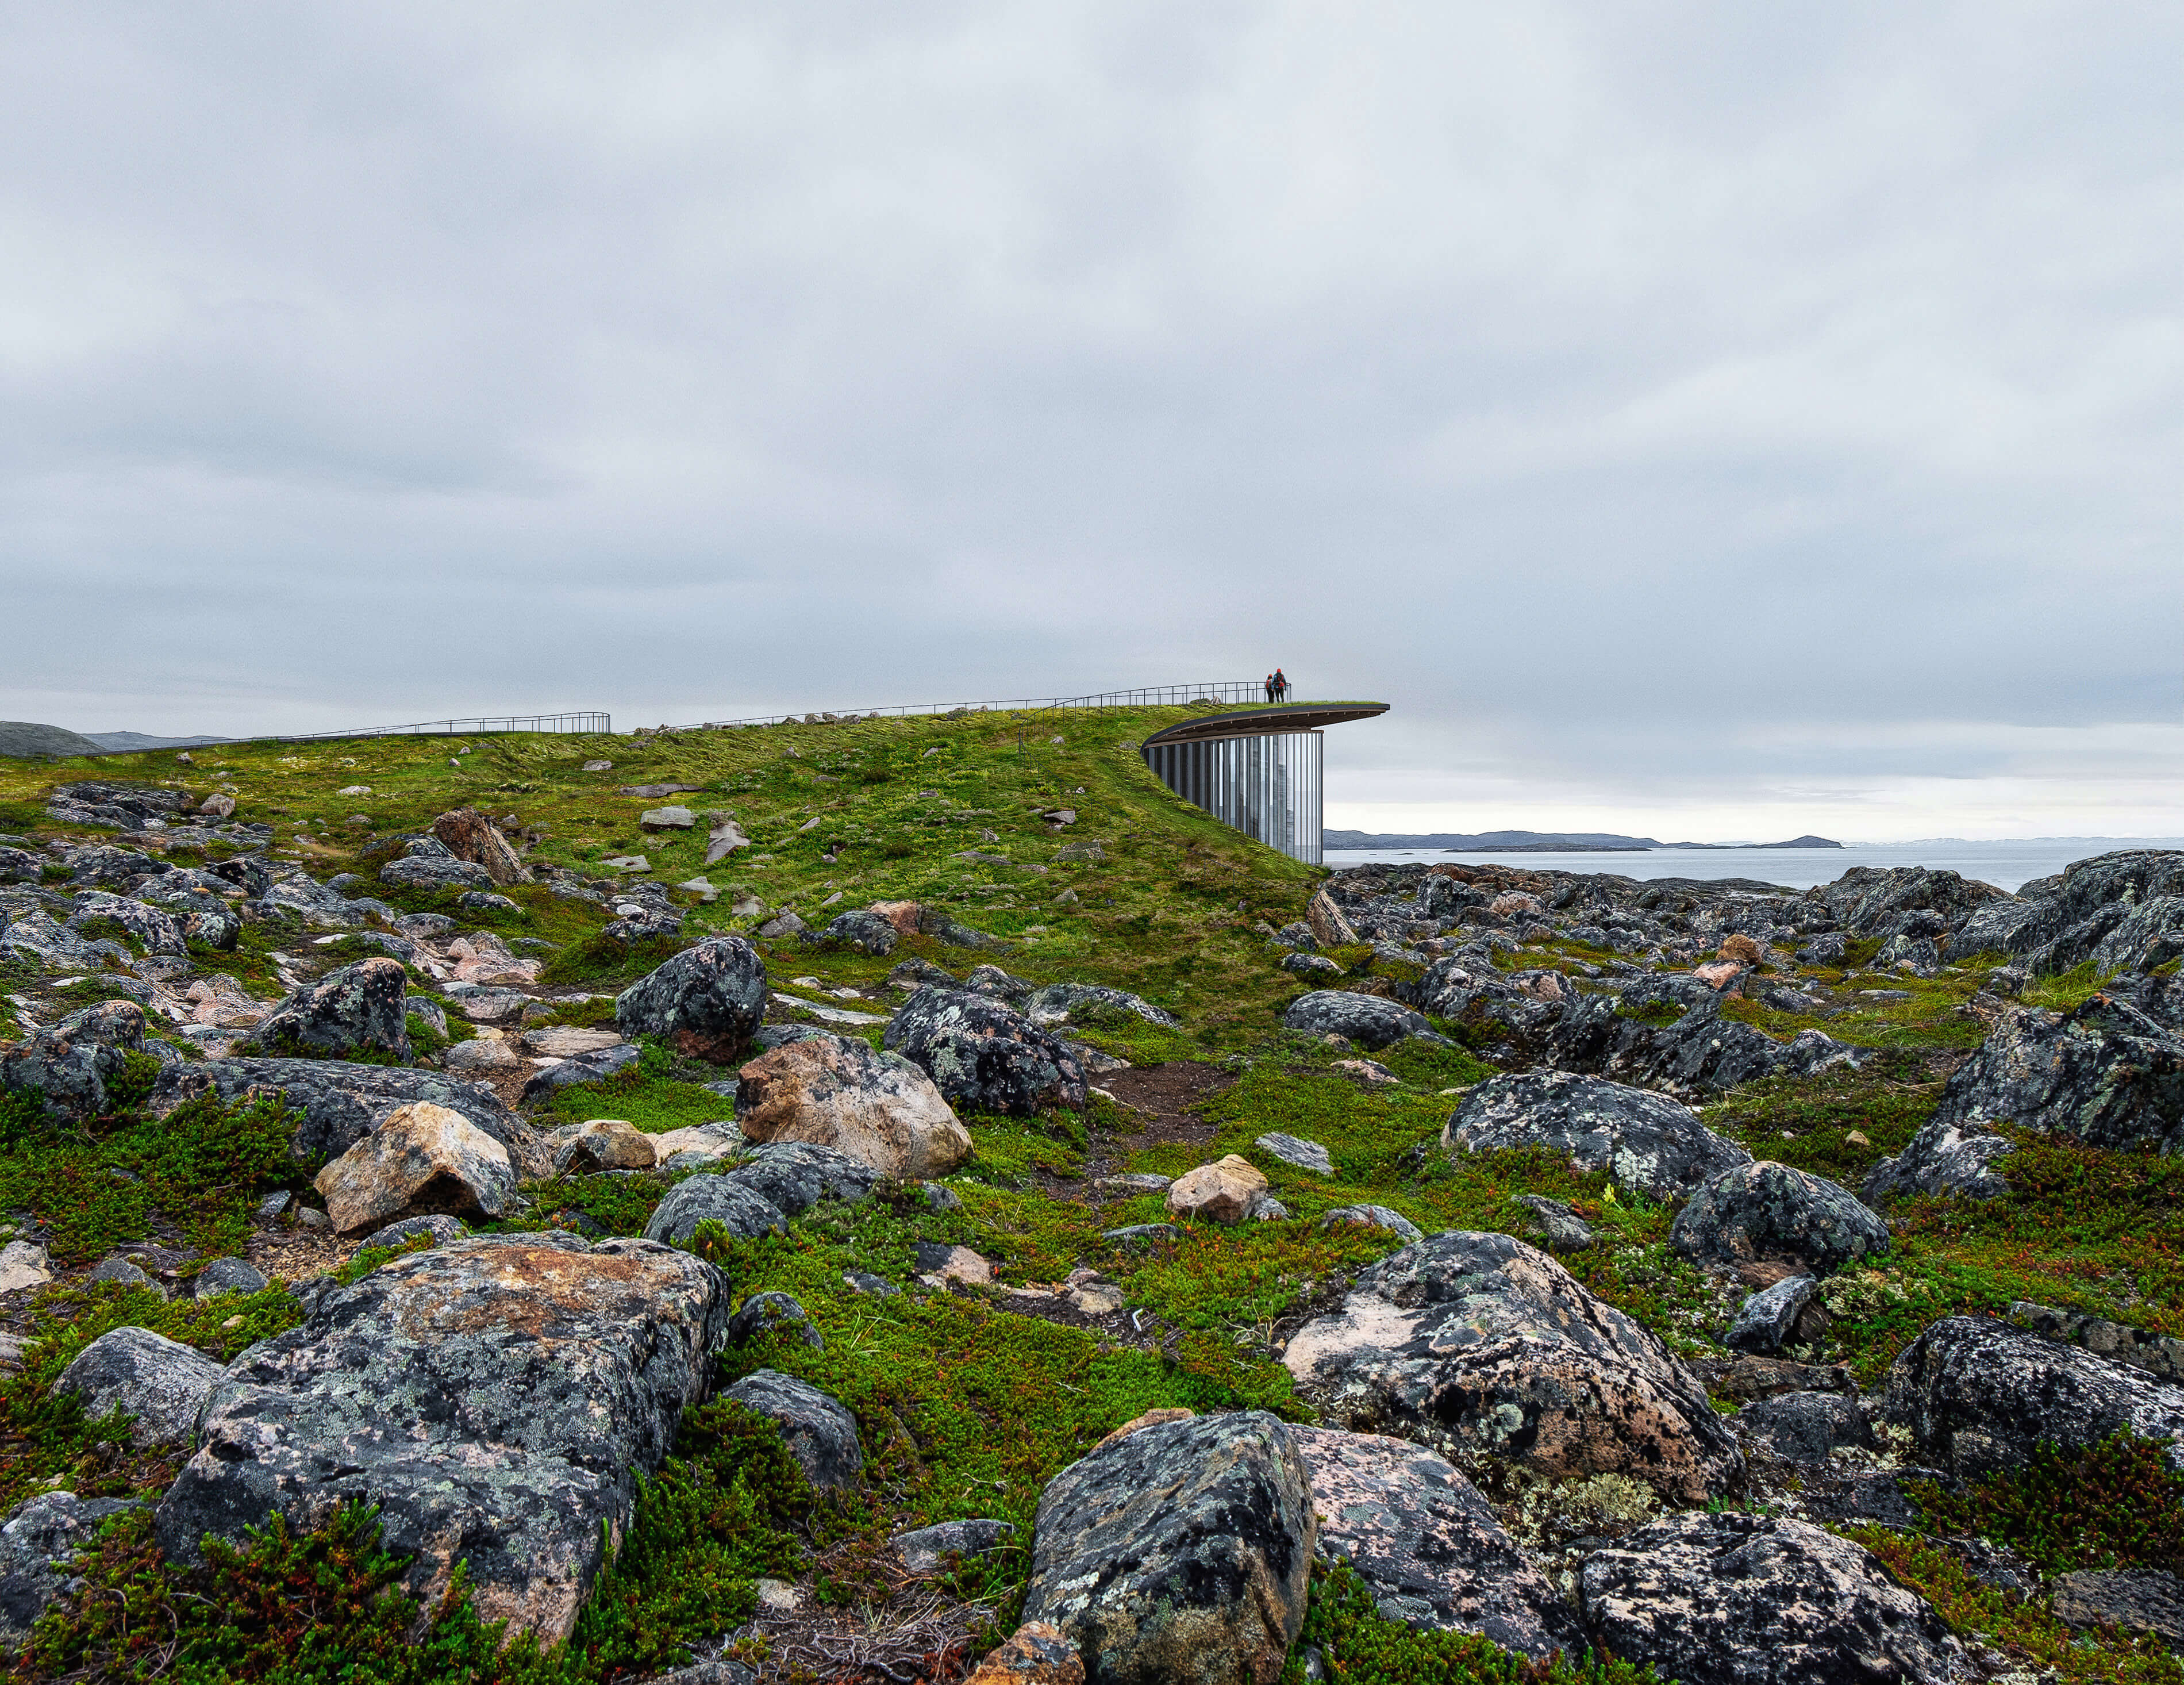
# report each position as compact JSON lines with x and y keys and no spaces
{"x":498,"y":1398}
{"x":1979,"y":1395}
{"x":1476,"y":1343}
{"x":1942,"y":1158}
{"x":157,"y":930}
{"x":1775,"y":1211}
{"x":2103,"y":1073}
{"x":1179,"y":1553}
{"x":425,"y":1160}
{"x":983,"y":1055}
{"x":430,"y":864}
{"x":743,"y":1212}
{"x":1742,"y":1600}
{"x":1806,"y":1427}
{"x":38,"y":1543}
{"x":868,"y":933}
{"x":72,"y":1062}
{"x":705,"y":1002}
{"x":795,"y":1176}
{"x":1426,"y":1544}
{"x":161,"y":1382}
{"x":1059,"y":1002}
{"x":360,"y":1009}
{"x":1644,"y":1141}
{"x":341,"y":1102}
{"x":876,"y":1107}
{"x":1371,"y":1021}
{"x":820,"y":1435}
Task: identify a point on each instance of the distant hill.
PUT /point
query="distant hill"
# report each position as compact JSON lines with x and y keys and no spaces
{"x":134,"y":742}
{"x":23,"y":739}
{"x":1538,"y":842}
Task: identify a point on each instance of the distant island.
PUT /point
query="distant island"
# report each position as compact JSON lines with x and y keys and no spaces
{"x":1540,"y":842}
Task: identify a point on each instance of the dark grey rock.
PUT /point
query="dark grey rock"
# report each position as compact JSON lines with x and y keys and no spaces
{"x":1180,"y":1551}
{"x":112,"y":806}
{"x":914,"y":974}
{"x":2131,"y":1599}
{"x":991,"y":979}
{"x":160,"y":1382}
{"x":1558,"y":1228}
{"x":983,"y":1055}
{"x":1808,"y":1427}
{"x":1774,"y":1211}
{"x":225,"y":1276}
{"x":359,"y":1008}
{"x":1479,"y":1344}
{"x":868,"y":933}
{"x":1891,"y":901}
{"x":72,"y":1063}
{"x":2105,"y":1073}
{"x":442,"y":1228}
{"x":1372,"y":1021}
{"x":940,"y":1197}
{"x":431,"y":864}
{"x":108,"y":867}
{"x":932,"y":922}
{"x":1942,"y":1158}
{"x":342,"y":1101}
{"x":876,"y":1287}
{"x":1767,"y":1320}
{"x":926,"y":1550}
{"x":1826,"y":949}
{"x":1060,"y":1002}
{"x":583,"y":1068}
{"x":820,"y":1435}
{"x":1740,"y":1600}
{"x":487,"y":901}
{"x":1428,"y":1545}
{"x":1643,"y":1141}
{"x":498,"y":1399}
{"x":763,"y":1316}
{"x":38,"y":1545}
{"x":1302,"y":1155}
{"x":795,"y":1175}
{"x":2122,"y":911}
{"x":705,"y":1002}
{"x":1979,"y":1395}
{"x":713,"y":1199}
{"x":125,"y":1271}
{"x":2158,"y":1354}
{"x":1699,"y":1056}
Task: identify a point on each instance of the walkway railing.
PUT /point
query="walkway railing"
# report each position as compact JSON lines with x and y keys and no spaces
{"x":1151,"y":696}
{"x":483,"y":727}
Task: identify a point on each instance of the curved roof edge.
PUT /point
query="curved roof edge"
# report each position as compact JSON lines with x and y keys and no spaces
{"x":1266,"y":722}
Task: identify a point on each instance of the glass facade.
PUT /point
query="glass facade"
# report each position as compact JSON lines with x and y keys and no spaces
{"x":1265,"y":785}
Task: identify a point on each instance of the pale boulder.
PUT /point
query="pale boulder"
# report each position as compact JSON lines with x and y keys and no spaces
{"x":602,"y":1144}
{"x":879,"y":1108}
{"x":1329,"y":929}
{"x":424,"y":1160}
{"x":1223,"y":1192}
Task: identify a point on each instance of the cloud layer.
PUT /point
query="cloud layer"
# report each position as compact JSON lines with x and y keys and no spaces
{"x":1684,"y":409}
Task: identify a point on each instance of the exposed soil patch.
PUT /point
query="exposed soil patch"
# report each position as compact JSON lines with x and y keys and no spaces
{"x":1161,"y":1098}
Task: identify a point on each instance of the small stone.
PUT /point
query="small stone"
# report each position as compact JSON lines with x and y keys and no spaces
{"x":1562,"y":1228}
{"x":924,"y":1550}
{"x":763,"y":1316}
{"x":1222,"y":1192}
{"x":23,"y":1265}
{"x":818,"y":1432}
{"x":940,"y":1264}
{"x":124,"y":1272}
{"x":1373,"y":1217}
{"x":1304,"y":1155}
{"x":225,"y":1275}
{"x":1767,"y":1321}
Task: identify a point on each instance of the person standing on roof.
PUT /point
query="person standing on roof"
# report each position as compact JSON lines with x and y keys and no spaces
{"x":1268,"y":686}
{"x":1281,"y":686}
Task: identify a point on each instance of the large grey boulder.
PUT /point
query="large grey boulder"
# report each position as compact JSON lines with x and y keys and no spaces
{"x":1942,"y":1158}
{"x":1701,"y":1054}
{"x":1426,"y":1544}
{"x":160,"y":1382}
{"x":1742,"y":1600}
{"x":983,"y":1055}
{"x":38,"y":1543}
{"x":1372,"y":1021}
{"x":704,"y":1002}
{"x":359,"y":1008}
{"x":596,"y":1066}
{"x":2105,"y":1073}
{"x":342,"y":1102}
{"x":1806,"y":1427}
{"x":868,"y":933}
{"x":876,"y":1107}
{"x":1774,"y":1211}
{"x":820,"y":1435}
{"x":1643,"y":1141}
{"x":795,"y":1176}
{"x":431,"y":864}
{"x":1178,"y":1552}
{"x":744,"y":1214}
{"x":1477,"y":1343}
{"x":1979,"y":1395}
{"x":72,"y":1062}
{"x":155,"y":929}
{"x":1913,"y":901}
{"x":497,"y":1398}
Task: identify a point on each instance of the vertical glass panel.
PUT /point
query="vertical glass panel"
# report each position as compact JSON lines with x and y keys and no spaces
{"x":1266,"y":787}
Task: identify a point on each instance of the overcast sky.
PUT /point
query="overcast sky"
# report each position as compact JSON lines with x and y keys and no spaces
{"x":1718,"y":419}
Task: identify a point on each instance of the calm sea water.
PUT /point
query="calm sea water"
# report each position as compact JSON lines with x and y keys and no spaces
{"x":2004,"y":864}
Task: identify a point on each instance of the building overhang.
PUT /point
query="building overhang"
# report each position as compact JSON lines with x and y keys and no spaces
{"x":1266,"y":722}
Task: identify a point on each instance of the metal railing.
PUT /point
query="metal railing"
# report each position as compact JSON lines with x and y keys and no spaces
{"x":586,"y":723}
{"x":1151,"y":696}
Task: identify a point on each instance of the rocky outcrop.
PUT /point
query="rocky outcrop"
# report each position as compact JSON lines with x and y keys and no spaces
{"x":879,"y":1108}
{"x":468,"y":834}
{"x":2122,"y":911}
{"x":359,"y":1008}
{"x":1426,"y":1544}
{"x":342,"y":1104}
{"x":1774,"y":1211}
{"x":820,"y":1434}
{"x":984,"y":1056}
{"x":1740,"y":1600}
{"x":160,"y":1382}
{"x":2105,"y":1073}
{"x":1372,"y":1021}
{"x":152,"y":929}
{"x":72,"y":1063}
{"x":1478,"y":1343}
{"x":1699,"y":1056}
{"x":1942,"y":1158}
{"x":113,"y":807}
{"x":1643,"y":1141}
{"x":38,"y":1544}
{"x":1904,"y":900}
{"x":498,"y":1399}
{"x":1978,"y":1395}
{"x":1179,"y":1552}
{"x":1057,"y":1003}
{"x":426,"y":1160}
{"x":867,"y":932}
{"x":2133,"y":1599}
{"x":705,"y":1002}
{"x":428,"y":863}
